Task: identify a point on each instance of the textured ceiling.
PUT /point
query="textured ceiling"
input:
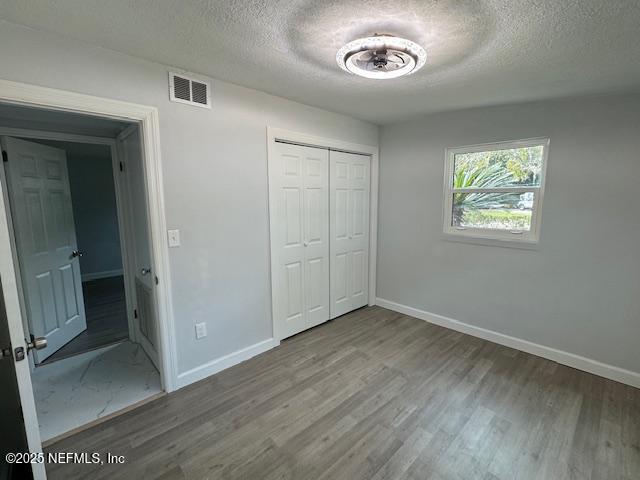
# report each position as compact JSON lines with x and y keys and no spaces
{"x":480,"y":52}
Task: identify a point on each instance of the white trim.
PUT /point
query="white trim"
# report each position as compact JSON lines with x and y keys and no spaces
{"x":565,"y":358}
{"x":87,"y":277}
{"x":493,"y":236}
{"x":123,"y":205}
{"x":14,"y":249}
{"x":13,"y":309}
{"x":58,"y":136}
{"x":222,"y":363}
{"x":123,"y":186}
{"x":535,"y":189}
{"x":312,"y":140}
{"x":147,"y":117}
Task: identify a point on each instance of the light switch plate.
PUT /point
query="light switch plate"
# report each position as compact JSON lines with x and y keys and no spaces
{"x":201,"y":330}
{"x":174,"y":238}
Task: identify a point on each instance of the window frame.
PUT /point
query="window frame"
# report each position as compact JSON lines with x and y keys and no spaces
{"x":488,"y":234}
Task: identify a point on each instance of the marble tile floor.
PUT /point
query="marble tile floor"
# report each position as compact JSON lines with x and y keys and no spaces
{"x":83,"y":388}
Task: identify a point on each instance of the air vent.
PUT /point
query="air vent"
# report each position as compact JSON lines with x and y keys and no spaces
{"x":189,"y":90}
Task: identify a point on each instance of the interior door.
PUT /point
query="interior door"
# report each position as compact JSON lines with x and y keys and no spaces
{"x":46,"y":245}
{"x":299,"y":182}
{"x":349,"y":229}
{"x":140,"y":271}
{"x":14,"y":435}
{"x":18,"y":421}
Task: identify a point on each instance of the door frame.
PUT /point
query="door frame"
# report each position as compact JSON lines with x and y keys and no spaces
{"x":148,"y":120}
{"x":128,"y":221}
{"x":311,"y":140}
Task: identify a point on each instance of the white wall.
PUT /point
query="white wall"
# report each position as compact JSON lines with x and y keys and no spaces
{"x":580,"y":290}
{"x":215,"y":170}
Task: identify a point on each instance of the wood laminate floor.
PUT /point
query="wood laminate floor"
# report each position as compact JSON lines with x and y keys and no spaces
{"x":106,"y":311}
{"x":377,"y":395}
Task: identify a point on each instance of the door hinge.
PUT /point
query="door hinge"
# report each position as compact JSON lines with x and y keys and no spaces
{"x":135,"y":313}
{"x":5,"y":157}
{"x":121,"y":166}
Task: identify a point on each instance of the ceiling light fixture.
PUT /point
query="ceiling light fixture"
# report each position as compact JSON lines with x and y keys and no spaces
{"x":381,"y":57}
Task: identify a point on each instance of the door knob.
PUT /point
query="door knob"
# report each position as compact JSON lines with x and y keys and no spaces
{"x":76,"y":253}
{"x":145,"y":271}
{"x":305,"y":244}
{"x":37,"y":343}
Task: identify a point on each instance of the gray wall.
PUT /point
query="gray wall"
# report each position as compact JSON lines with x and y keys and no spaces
{"x":215,"y":171}
{"x":94,"y":212}
{"x":580,"y":290}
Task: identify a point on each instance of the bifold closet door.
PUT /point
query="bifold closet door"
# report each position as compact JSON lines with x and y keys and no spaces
{"x":349,"y":175}
{"x":299,"y":199}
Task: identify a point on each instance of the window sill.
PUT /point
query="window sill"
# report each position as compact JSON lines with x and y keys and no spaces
{"x":491,"y":242}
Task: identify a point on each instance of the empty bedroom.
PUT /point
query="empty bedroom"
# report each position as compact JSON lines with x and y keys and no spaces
{"x":320,"y":239}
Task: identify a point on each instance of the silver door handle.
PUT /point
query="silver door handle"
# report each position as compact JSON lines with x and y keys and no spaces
{"x":145,"y":271}
{"x":37,"y":343}
{"x":76,"y":253}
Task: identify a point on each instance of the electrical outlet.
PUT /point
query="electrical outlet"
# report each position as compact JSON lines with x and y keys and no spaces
{"x":201,"y":330}
{"x":174,"y":238}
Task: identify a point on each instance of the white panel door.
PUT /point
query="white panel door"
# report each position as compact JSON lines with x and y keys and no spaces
{"x":298,"y":185}
{"x":45,"y":238}
{"x":349,"y":231}
{"x":146,"y":331}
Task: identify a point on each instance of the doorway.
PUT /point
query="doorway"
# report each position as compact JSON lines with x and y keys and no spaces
{"x":53,"y":101}
{"x":95,"y":237}
{"x":77,"y":245}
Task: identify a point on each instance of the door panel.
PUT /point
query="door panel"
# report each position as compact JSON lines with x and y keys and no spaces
{"x":69,"y":293}
{"x":339,"y":276}
{"x":293,"y":272}
{"x":293,"y":216}
{"x":314,"y":284}
{"x":341,"y":214}
{"x":349,"y":227}
{"x":44,"y":309}
{"x":34,"y":226}
{"x":298,"y":183}
{"x":45,"y":238}
{"x":358,"y":211}
{"x":146,"y":312}
{"x":358,"y":271}
{"x":314,"y":214}
{"x":143,"y":277}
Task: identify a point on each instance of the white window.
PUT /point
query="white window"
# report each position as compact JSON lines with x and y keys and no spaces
{"x":494,"y":191}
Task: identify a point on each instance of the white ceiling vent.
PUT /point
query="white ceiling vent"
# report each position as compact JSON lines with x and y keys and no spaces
{"x":189,"y":90}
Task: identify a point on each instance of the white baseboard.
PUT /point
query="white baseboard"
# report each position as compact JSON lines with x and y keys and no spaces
{"x":222,"y":363}
{"x":87,"y":277}
{"x":575,"y":361}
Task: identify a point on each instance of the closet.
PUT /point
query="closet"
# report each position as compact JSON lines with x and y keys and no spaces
{"x":319,"y":222}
